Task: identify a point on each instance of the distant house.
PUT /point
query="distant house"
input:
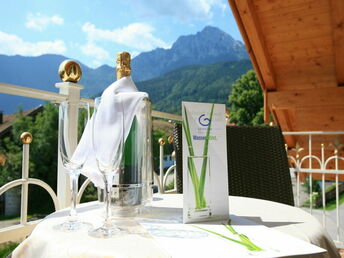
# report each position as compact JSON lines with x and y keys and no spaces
{"x":6,"y":121}
{"x":10,"y":200}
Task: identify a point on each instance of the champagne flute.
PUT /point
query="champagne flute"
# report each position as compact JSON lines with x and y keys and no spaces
{"x":107,"y":140}
{"x":68,"y":135}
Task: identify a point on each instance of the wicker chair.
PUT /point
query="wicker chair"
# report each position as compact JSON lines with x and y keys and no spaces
{"x":257,"y":163}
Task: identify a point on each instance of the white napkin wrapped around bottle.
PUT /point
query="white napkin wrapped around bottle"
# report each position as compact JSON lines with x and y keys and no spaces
{"x":111,"y":116}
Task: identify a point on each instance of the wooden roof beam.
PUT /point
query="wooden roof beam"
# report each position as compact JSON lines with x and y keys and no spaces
{"x":283,"y":119}
{"x":247,"y":42}
{"x":249,"y":26}
{"x":306,"y":98}
{"x":337,"y":19}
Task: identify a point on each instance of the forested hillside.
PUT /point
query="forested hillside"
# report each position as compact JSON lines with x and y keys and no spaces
{"x":201,"y":83}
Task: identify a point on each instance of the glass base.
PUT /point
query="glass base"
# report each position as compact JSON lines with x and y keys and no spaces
{"x":72,"y":226}
{"x":125,"y":212}
{"x":106,"y":231}
{"x":200,"y":213}
{"x":129,"y":226}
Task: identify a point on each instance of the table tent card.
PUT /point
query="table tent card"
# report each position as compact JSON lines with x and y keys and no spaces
{"x":205,"y":183}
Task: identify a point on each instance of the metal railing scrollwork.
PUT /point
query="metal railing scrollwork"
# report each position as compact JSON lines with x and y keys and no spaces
{"x":24,"y":228}
{"x":323,"y":163}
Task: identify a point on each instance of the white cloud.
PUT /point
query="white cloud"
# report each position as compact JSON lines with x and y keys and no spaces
{"x":90,"y":49}
{"x":11,"y":44}
{"x":96,"y":63}
{"x":184,"y":10}
{"x":134,"y":54}
{"x":40,"y":22}
{"x":136,"y":35}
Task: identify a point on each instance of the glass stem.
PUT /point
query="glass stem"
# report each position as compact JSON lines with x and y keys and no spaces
{"x":107,"y":199}
{"x":74,"y":192}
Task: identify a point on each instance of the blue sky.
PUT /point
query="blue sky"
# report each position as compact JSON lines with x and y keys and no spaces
{"x":94,"y":31}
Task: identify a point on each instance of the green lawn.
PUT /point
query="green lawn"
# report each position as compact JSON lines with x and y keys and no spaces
{"x":6,"y":249}
{"x":14,"y":217}
{"x":332,"y":204}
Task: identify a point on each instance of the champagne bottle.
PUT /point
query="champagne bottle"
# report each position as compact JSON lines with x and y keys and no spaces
{"x":131,"y":173}
{"x":132,"y":185}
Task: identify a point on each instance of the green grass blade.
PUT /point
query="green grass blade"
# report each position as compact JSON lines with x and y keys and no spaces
{"x":191,"y":164}
{"x":225,"y":237}
{"x":194,"y":179}
{"x":246,"y":240}
{"x":231,"y":229}
{"x":188,"y":133}
{"x":243,"y":238}
{"x":205,"y":160}
{"x":190,"y":148}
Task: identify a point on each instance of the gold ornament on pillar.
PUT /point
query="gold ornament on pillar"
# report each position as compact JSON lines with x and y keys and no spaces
{"x":26,"y":138}
{"x":70,"y":71}
{"x":123,"y":68}
{"x":161,"y":141}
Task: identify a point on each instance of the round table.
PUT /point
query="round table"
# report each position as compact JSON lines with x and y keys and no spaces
{"x":44,"y":241}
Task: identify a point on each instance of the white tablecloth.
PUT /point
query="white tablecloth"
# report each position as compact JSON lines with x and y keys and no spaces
{"x":45,"y":242}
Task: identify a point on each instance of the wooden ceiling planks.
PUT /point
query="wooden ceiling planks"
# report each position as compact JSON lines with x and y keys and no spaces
{"x":299,"y":99}
{"x":285,"y":86}
{"x":292,"y":9}
{"x":300,"y":43}
{"x":294,"y":24}
{"x":303,"y":55}
{"x":337,"y":19}
{"x":296,"y":20}
{"x":320,"y":46}
{"x":276,"y":5}
{"x":331,"y":118}
{"x":293,"y":79}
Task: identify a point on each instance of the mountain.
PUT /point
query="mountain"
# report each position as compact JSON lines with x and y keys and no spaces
{"x":211,"y":45}
{"x":199,"y":83}
{"x":96,"y":80}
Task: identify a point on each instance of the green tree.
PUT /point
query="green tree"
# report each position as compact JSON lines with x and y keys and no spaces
{"x":247,"y":102}
{"x":43,"y":154}
{"x":12,"y":148}
{"x":44,"y":146}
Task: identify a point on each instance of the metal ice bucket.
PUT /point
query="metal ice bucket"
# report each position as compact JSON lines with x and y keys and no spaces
{"x":132,"y":187}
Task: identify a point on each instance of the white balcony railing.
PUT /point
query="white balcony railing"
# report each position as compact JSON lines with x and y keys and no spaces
{"x":323,"y":161}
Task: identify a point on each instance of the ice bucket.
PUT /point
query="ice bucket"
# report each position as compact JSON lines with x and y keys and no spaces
{"x":132,"y":186}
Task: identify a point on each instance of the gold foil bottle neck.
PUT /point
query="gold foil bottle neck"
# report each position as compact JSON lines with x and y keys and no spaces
{"x":123,"y":68}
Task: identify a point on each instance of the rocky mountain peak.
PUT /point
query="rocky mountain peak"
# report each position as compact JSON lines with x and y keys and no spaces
{"x":208,"y":46}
